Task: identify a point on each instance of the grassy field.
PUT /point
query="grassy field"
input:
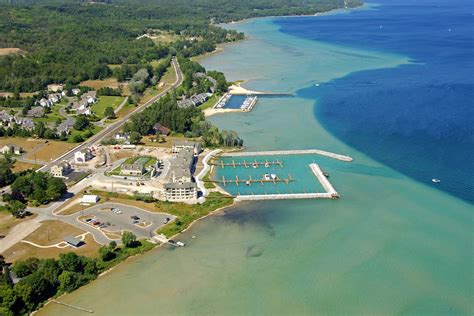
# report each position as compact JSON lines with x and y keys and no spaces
{"x":104,"y":102}
{"x":52,"y":150}
{"x":168,"y":79}
{"x":169,"y":140}
{"x":54,"y":115}
{"x":127,"y":108}
{"x":27,"y":144}
{"x":97,"y":84}
{"x":50,"y":233}
{"x":19,"y":166}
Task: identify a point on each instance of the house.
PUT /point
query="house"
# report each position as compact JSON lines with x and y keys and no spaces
{"x":11,"y":149}
{"x":61,"y":170}
{"x":199,"y":99}
{"x":83,"y":156}
{"x":86,"y":111}
{"x":134,"y":169}
{"x":54,"y":98}
{"x":161,"y":130}
{"x":37,"y":111}
{"x":90,"y":97}
{"x":122,"y":136}
{"x":66,"y":126}
{"x":44,"y":102}
{"x":27,"y":124}
{"x":185,"y":104}
{"x":183,"y":144}
{"x":90,"y":199}
{"x":75,"y":91}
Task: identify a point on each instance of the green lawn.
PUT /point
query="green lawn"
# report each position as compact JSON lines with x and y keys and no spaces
{"x":104,"y":102}
{"x":211,"y":102}
{"x":53,"y":116}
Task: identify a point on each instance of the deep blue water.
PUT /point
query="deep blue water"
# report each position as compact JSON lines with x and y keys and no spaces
{"x":417,"y":118}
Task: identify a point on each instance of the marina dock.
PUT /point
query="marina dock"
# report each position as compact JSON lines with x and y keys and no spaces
{"x":250,"y":180}
{"x":291,"y":152}
{"x":254,"y":164}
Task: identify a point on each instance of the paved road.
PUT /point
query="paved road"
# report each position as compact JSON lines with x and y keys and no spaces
{"x":48,"y":213}
{"x":114,"y":127}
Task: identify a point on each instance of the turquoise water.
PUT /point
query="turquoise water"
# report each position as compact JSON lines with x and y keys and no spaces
{"x":294,"y":168}
{"x":390,"y":246}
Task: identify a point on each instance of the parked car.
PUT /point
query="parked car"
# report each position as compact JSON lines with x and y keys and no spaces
{"x":135,"y":217}
{"x":166,"y":221}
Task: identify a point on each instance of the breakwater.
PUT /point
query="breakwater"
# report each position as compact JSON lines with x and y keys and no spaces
{"x":291,"y":152}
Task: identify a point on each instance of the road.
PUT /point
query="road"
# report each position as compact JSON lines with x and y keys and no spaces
{"x":114,"y":127}
{"x":47,"y":213}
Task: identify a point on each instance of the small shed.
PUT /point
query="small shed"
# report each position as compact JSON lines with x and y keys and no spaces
{"x":91,"y":199}
{"x":73,"y":241}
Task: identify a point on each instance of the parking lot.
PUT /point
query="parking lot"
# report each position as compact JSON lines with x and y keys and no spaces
{"x":113,"y":218}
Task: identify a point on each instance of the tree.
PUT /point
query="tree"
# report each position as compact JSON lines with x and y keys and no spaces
{"x":40,"y":129}
{"x":6,"y":174}
{"x":26,"y":267}
{"x":109,"y":112}
{"x":17,"y":208}
{"x":135,"y":138}
{"x":106,"y":254}
{"x":82,"y":122}
{"x":70,"y":262}
{"x":129,"y":239}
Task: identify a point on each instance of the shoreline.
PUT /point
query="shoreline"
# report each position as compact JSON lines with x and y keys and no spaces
{"x":219,"y":49}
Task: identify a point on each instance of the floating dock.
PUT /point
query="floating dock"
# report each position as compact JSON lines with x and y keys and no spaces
{"x":254,"y":164}
{"x":250,"y":180}
{"x":290,"y":152}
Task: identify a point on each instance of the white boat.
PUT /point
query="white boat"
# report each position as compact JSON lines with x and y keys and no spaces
{"x":247,"y":182}
{"x":436,"y":180}
{"x":266,"y":176}
{"x":273,"y":176}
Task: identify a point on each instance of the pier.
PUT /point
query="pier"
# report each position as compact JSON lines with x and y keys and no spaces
{"x":254,"y":164}
{"x":324,"y":181}
{"x":291,"y":152}
{"x":250,"y":180}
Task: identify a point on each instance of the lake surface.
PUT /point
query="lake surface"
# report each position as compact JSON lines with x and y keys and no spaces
{"x":398,"y":99}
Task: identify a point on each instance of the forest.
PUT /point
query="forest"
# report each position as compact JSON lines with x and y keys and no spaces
{"x":69,"y":41}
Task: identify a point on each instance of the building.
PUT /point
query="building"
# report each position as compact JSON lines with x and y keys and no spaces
{"x":180,"y":185}
{"x":89,"y":96}
{"x":180,"y":191}
{"x":186,"y":144}
{"x":11,"y":149}
{"x":90,"y":199}
{"x":161,"y":130}
{"x":66,"y":126}
{"x":83,"y":156}
{"x":185,"y":104}
{"x":61,"y":170}
{"x":75,"y":91}
{"x":73,"y":241}
{"x":134,"y":169}
{"x":122,"y":136}
{"x":37,"y":111}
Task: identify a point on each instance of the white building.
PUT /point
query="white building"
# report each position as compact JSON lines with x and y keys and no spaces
{"x":83,"y":156}
{"x":90,"y":199}
{"x":61,"y":170}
